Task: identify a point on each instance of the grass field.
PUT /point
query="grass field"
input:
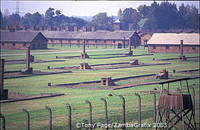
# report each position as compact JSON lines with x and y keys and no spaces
{"x":15,"y":118}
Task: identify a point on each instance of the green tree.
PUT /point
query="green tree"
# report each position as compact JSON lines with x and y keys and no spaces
{"x":130,"y":18}
{"x":102,"y":21}
{"x":49,"y":15}
{"x":119,"y":14}
{"x":1,"y":19}
{"x":13,"y":20}
{"x":189,"y":17}
{"x":144,"y":10}
{"x":31,"y":20}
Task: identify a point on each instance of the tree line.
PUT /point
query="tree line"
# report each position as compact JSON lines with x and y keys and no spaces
{"x":162,"y":16}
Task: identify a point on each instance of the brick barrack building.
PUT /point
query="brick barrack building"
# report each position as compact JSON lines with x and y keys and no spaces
{"x":22,"y":40}
{"x":170,"y":43}
{"x":118,"y":38}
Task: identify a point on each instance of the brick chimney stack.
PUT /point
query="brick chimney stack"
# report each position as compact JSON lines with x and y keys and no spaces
{"x":12,"y":29}
{"x":66,"y":28}
{"x":34,"y":28}
{"x":41,"y":28}
{"x":58,"y":28}
{"x":7,"y":27}
{"x":85,"y":29}
{"x":75,"y":29}
{"x":117,"y":25}
{"x":49,"y":29}
{"x":93,"y":28}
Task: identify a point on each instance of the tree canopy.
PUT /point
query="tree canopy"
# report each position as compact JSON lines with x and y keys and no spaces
{"x":163,"y":16}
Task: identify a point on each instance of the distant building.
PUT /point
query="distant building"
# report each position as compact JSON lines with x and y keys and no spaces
{"x":170,"y":43}
{"x":22,"y":40}
{"x":145,"y":38}
{"x":117,"y":25}
{"x":93,"y":38}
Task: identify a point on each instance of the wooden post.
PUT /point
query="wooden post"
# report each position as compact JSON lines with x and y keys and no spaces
{"x":2,"y":76}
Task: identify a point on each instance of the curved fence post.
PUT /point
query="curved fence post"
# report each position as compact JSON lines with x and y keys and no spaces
{"x":28,"y":118}
{"x":194,"y":102}
{"x":154,"y":106}
{"x":50,"y":117}
{"x":124,"y":110}
{"x":106,"y":112}
{"x":69,"y":116}
{"x":139,"y":108}
{"x":4,"y":121}
{"x":90,"y":113}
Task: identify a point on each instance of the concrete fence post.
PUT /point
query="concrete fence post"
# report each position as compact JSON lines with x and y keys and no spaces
{"x":106,"y":111}
{"x":124,"y":110}
{"x":90,"y":113}
{"x":50,"y":117}
{"x":139,"y":108}
{"x":3,"y":121}
{"x":69,"y":116}
{"x":28,"y":118}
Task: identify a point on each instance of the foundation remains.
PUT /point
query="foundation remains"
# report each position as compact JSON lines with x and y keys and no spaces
{"x":107,"y":81}
{"x":84,"y":66}
{"x":162,"y":75}
{"x":134,"y":62}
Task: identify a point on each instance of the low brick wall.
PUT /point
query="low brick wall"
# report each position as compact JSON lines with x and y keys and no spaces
{"x":173,"y":49}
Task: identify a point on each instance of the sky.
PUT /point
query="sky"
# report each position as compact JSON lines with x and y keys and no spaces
{"x":77,"y":8}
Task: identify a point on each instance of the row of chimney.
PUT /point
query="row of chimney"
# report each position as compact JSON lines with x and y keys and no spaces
{"x":64,"y":29}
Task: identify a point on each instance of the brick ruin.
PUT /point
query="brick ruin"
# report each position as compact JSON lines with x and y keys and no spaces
{"x":163,"y":74}
{"x":182,"y":57}
{"x":3,"y":92}
{"x":134,"y":62}
{"x":84,"y":66}
{"x":84,"y":55}
{"x":28,"y":69}
{"x":107,"y":81}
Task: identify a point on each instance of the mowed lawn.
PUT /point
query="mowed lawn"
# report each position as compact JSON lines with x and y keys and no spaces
{"x":15,"y":118}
